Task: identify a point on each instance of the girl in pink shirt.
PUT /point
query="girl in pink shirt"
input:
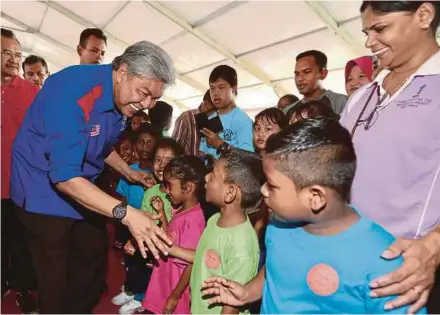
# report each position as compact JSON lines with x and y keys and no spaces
{"x":168,"y":290}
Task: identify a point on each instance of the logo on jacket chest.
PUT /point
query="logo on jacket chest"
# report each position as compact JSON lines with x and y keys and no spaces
{"x":95,"y":130}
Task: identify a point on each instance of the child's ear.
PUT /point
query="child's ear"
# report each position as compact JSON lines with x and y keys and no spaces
{"x":188,"y":187}
{"x":317,"y":198}
{"x":231,"y":194}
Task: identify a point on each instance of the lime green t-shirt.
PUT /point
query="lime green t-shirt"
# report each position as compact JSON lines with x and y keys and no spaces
{"x":146,"y":203}
{"x":231,"y":253}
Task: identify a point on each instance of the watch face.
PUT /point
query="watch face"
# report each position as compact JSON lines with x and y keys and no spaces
{"x":120,"y":211}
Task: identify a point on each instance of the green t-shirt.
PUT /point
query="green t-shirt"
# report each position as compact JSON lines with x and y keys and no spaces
{"x":231,"y":253}
{"x":153,"y":192}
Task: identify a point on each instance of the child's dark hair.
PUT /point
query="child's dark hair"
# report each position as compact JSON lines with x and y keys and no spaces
{"x":315,"y":151}
{"x":149,"y":129}
{"x":226,"y":73}
{"x":272,"y":115}
{"x":161,"y":114}
{"x":312,"y":109}
{"x":245,"y":169}
{"x":126,"y":135}
{"x":168,"y":143}
{"x":190,"y":168}
{"x":142,"y":114}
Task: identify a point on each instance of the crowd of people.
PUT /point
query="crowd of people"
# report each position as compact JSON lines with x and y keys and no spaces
{"x":328,"y":203}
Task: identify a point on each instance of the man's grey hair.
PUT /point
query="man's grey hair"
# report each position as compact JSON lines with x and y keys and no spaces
{"x":147,"y":60}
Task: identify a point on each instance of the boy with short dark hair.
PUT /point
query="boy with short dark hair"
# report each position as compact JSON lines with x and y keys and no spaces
{"x":229,"y":245}
{"x":322,"y":254}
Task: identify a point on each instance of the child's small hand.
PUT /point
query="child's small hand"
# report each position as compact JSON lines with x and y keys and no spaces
{"x":222,"y":291}
{"x":157,"y":204}
{"x":149,"y":179}
{"x":171,"y":304}
{"x":129,"y":248}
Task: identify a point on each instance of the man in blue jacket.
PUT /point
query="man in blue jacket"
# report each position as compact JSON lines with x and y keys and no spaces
{"x":66,"y":137}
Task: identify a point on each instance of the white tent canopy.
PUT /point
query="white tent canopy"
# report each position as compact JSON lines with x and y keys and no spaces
{"x":260,"y":39}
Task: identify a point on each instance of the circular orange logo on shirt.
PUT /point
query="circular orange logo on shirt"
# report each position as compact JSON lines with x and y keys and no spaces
{"x":323,"y":280}
{"x":212,"y":259}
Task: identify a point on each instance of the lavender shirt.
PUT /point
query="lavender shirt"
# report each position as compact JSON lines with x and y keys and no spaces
{"x":397,"y":182}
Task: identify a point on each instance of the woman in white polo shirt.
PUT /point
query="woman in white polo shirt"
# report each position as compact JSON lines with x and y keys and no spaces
{"x":395,"y":124}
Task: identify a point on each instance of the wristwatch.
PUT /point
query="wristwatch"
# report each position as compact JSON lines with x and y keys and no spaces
{"x":222,"y":148}
{"x":120,"y":210}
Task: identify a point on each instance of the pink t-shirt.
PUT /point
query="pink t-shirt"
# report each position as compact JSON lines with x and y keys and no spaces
{"x":185,"y":229}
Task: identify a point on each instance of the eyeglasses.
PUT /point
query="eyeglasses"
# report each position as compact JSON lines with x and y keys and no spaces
{"x":11,"y":55}
{"x":373,"y":116}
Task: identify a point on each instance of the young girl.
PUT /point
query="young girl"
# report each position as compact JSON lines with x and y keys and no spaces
{"x":168,"y":291}
{"x":268,"y":122}
{"x":164,"y":151}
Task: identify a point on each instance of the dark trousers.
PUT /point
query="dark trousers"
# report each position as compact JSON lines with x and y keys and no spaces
{"x":433,"y":305}
{"x":122,"y":234}
{"x":69,"y":257}
{"x":137,"y":273}
{"x":17,"y":268}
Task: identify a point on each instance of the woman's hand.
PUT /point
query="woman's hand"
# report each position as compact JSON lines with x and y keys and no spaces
{"x":413,"y":280}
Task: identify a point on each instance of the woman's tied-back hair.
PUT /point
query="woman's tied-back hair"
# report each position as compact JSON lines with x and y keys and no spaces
{"x":245,"y":169}
{"x":315,"y":151}
{"x":272,"y":115}
{"x":147,"y":60}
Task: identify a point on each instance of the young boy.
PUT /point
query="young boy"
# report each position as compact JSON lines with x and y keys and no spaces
{"x":237,"y":126}
{"x":321,"y":253}
{"x":229,"y":246}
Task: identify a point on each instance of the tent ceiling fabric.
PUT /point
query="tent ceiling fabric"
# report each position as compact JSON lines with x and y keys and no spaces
{"x":259,"y":38}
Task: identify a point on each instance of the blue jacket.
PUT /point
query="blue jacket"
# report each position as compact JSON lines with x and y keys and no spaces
{"x":68,"y":131}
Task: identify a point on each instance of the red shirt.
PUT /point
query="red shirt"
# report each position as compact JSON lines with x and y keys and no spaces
{"x":16,"y":97}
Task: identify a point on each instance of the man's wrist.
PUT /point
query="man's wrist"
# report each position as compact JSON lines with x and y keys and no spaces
{"x":127,"y":217}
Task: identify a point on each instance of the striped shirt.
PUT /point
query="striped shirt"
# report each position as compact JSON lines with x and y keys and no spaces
{"x":185,"y":132}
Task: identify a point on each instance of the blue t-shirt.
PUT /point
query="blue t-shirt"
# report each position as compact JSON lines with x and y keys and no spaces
{"x":68,"y":131}
{"x":237,"y":131}
{"x":307,"y":274}
{"x":134,"y":193}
